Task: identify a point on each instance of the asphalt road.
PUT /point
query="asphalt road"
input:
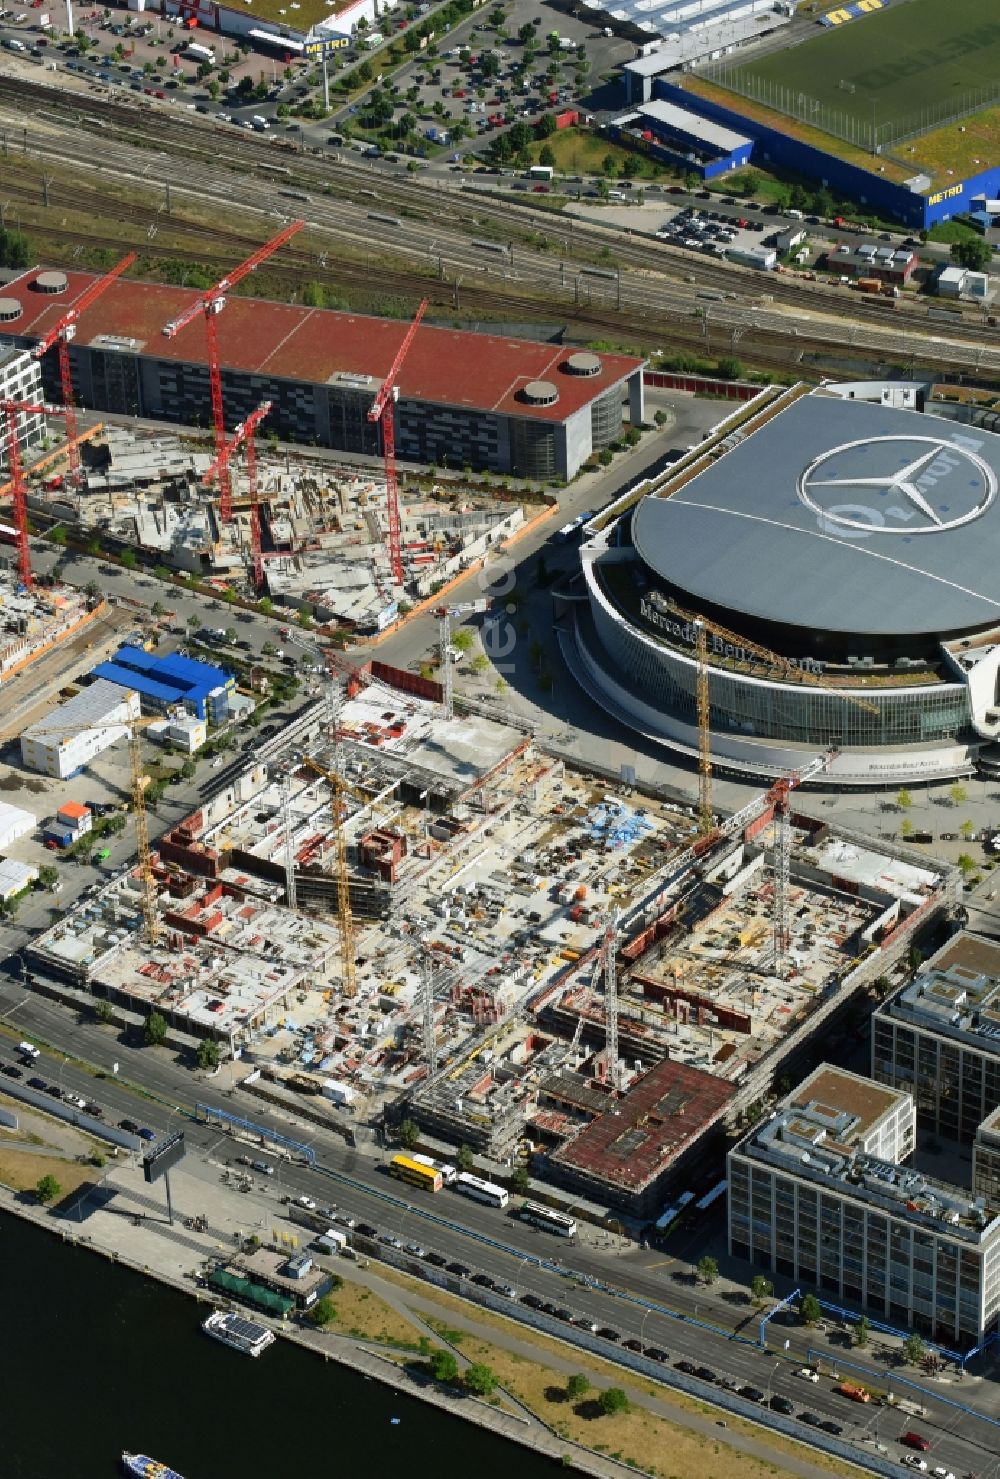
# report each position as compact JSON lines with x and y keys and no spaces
{"x":530,"y":1260}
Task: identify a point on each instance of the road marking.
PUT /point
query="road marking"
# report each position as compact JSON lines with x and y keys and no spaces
{"x":662,"y":1263}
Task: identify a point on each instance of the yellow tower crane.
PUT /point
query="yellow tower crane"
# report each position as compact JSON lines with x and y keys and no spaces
{"x":139,"y":782}
{"x":784,"y":666}
{"x":345,"y":915}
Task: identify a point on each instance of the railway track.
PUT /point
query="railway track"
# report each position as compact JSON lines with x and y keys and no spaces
{"x":656,"y":288}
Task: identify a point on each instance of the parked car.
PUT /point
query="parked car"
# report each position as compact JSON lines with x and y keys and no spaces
{"x":129,"y":1126}
{"x":834,"y":1429}
{"x":914,"y":1440}
{"x":147,"y":1134}
{"x":782,"y":1404}
{"x":807,"y":1374}
{"x":11,"y":1070}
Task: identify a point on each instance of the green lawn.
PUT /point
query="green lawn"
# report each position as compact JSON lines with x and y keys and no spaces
{"x":911,"y":65}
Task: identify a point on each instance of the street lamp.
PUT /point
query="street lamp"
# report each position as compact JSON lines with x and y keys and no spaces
{"x":770,"y":1379}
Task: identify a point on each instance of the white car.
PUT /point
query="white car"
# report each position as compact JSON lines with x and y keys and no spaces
{"x":807,"y":1373}
{"x":306,"y":1202}
{"x":913,"y":1462}
{"x":942,"y":1473}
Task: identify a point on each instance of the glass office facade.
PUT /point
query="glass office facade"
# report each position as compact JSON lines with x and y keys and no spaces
{"x":755,"y":706}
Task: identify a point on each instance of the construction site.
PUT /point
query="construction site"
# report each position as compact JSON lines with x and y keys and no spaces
{"x":316,"y":529}
{"x":391,"y":911}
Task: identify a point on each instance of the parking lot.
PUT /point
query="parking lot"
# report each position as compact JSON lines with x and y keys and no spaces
{"x":716,"y":232}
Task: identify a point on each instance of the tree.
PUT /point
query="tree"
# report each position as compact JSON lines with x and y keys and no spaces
{"x":462,"y":640}
{"x":47,"y":1189}
{"x":231,"y":635}
{"x":464,"y":1159}
{"x":810,"y":1309}
{"x":268,"y":649}
{"x":761,"y":1288}
{"x":547,"y":155}
{"x":577,"y":1386}
{"x":194,"y":622}
{"x":974,"y":253}
{"x":730,"y":368}
{"x":903,"y":799}
{"x":613,"y":1400}
{"x":958,"y":794}
{"x":58,"y":535}
{"x":479,"y":1379}
{"x":15,"y":249}
{"x":208,"y":1053}
{"x":966,"y":829}
{"x":155,"y":1030}
{"x":966,"y":864}
{"x":47,"y":875}
{"x":229,"y":595}
{"x":442,"y":1365}
{"x":128,"y":559}
{"x":102,"y":1009}
{"x":546,"y":126}
{"x":906,"y":828}
{"x":913,"y":1349}
{"x":187,"y":769}
{"x":409,"y":1134}
{"x":323,"y":1312}
{"x":861,"y":1332}
{"x":708,"y":1269}
{"x":520,"y":1181}
{"x":158,"y":609}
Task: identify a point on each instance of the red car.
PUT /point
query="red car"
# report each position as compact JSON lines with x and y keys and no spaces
{"x":914,"y":1440}
{"x":541,"y":189}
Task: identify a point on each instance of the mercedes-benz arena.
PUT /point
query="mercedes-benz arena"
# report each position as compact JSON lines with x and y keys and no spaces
{"x":857,"y":541}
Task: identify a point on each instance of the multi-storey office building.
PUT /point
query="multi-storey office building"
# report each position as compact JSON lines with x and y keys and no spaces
{"x":820,"y":1194}
{"x":939,"y":1038}
{"x":538,"y":410}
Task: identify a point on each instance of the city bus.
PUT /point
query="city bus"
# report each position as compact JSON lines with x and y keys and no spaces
{"x":718,"y":1190}
{"x":551,"y":1221}
{"x":405,"y":1169}
{"x":481,"y":1191}
{"x":448,"y":1172}
{"x":671,"y":1214}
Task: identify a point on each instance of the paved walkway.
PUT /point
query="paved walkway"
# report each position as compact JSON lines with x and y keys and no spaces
{"x":174,"y":1254}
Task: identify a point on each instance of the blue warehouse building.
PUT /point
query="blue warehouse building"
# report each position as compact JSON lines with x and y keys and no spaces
{"x":164,"y":682}
{"x":679,"y":136}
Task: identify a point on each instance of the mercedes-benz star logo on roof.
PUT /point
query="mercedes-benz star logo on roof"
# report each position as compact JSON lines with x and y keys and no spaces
{"x":897,"y":485}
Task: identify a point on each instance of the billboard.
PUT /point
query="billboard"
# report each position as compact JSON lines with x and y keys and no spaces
{"x":163,"y":1157}
{"x":321,"y":45}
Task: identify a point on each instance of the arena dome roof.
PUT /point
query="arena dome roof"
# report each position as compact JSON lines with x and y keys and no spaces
{"x":839,"y":516}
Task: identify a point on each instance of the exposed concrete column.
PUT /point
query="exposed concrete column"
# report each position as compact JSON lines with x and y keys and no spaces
{"x":636,"y":399}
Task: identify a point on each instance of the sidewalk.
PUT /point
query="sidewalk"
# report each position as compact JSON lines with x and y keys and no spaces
{"x":132,"y":1228}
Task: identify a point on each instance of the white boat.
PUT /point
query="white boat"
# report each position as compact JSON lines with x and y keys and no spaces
{"x":238,"y":1332}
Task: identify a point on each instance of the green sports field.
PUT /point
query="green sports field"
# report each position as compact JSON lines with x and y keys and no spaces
{"x":903,"y":70}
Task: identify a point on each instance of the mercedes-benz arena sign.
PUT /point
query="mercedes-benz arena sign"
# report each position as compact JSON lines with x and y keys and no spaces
{"x":861,"y":543}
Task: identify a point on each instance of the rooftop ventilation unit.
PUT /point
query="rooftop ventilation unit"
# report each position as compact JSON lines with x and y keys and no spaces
{"x":51,"y":283}
{"x":540,"y":393}
{"x":10,"y":309}
{"x":582,"y":364}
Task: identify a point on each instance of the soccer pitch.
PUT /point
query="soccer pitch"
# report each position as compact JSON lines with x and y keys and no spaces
{"x":901,"y":70}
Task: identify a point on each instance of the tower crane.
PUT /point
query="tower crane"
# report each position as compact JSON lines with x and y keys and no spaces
{"x":245,"y":434}
{"x":62,"y":334}
{"x":784,"y":666}
{"x":211,"y":304}
{"x":139,"y":782}
{"x":345,"y":915}
{"x":11,"y":411}
{"x":382,"y":410}
{"x":444,"y":615}
{"x":777,"y":796}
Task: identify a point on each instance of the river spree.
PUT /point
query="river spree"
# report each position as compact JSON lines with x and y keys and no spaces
{"x":95,"y":1358}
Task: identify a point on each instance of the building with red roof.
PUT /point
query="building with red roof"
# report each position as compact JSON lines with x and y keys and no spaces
{"x":504,"y":405}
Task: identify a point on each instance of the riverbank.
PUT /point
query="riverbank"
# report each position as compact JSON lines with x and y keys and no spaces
{"x":385,"y":1318}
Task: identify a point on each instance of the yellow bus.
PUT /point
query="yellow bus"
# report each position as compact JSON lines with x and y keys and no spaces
{"x":425,"y":1177}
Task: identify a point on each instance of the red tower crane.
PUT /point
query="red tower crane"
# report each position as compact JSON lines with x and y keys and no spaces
{"x":382,"y":410}
{"x":245,"y":434}
{"x":211,"y":304}
{"x":11,"y":410}
{"x":62,"y":334}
